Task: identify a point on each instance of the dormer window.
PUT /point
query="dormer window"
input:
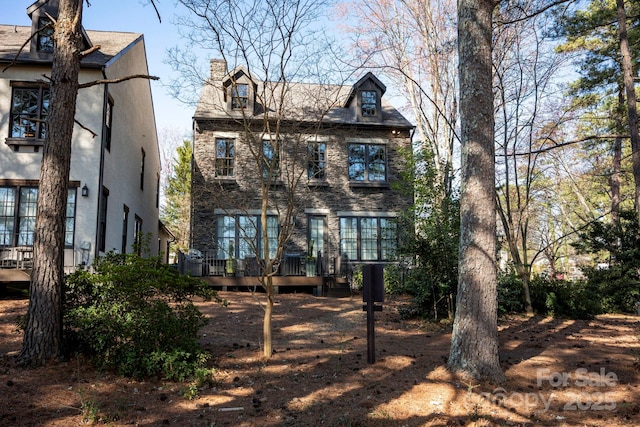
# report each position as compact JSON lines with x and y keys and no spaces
{"x":369,"y":102}
{"x":239,"y":96}
{"x":366,"y":99}
{"x":45,"y":35}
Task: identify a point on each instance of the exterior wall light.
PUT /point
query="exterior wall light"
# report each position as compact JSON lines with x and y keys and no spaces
{"x":85,"y":191}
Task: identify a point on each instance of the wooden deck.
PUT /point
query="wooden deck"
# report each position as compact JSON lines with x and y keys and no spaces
{"x":320,"y":285}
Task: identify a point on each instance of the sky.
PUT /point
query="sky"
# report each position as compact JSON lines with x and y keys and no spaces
{"x":132,"y":16}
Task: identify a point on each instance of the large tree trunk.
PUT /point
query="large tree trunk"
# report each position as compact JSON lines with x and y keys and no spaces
{"x":474,"y":343}
{"x":43,"y":332}
{"x":627,"y":73}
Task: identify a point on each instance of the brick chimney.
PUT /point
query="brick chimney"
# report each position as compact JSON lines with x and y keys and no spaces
{"x":218,"y":69}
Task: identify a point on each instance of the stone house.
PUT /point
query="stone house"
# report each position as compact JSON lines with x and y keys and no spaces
{"x":115,"y":162}
{"x":333,"y":153}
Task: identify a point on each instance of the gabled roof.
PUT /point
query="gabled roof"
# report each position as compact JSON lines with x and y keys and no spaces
{"x":13,"y":37}
{"x":236,"y":74}
{"x":305,"y":102}
{"x":367,"y":77}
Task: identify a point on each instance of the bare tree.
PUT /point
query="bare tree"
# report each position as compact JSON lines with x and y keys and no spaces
{"x":414,"y":43}
{"x":474,"y":343}
{"x":272,"y":44}
{"x":527,"y":97}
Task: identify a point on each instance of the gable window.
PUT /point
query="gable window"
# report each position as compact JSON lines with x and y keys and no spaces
{"x":225,"y":155}
{"x":368,"y":238}
{"x":242,"y":234}
{"x":317,"y":164}
{"x":270,"y":159}
{"x":367,"y":163}
{"x":29,"y":110}
{"x":369,"y":102}
{"x":239,"y":96}
{"x":44,"y":39}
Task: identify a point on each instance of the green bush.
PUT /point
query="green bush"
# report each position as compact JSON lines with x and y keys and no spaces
{"x":510,"y":293}
{"x":617,"y":287}
{"x":134,"y":315}
{"x":393,"y":279}
{"x":562,"y":298}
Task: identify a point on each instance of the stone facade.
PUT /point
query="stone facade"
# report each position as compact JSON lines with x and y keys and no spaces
{"x":326,"y":198}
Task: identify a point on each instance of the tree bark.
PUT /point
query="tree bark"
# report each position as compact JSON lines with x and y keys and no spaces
{"x":43,"y":333}
{"x":474,"y":343}
{"x":627,"y":73}
{"x":267,"y":326}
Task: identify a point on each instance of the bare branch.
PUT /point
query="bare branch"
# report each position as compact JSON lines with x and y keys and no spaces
{"x":93,"y":134}
{"x":89,"y":51}
{"x":562,"y":144}
{"x":536,"y":12}
{"x":118,"y":80}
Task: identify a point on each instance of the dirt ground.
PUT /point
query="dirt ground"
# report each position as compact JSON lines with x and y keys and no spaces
{"x":560,"y":373}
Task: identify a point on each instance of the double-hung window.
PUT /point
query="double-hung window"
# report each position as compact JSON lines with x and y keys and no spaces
{"x":239,"y":96}
{"x":44,"y":40}
{"x":368,"y":238}
{"x":367,"y":163}
{"x":317,"y":163}
{"x":29,"y":110}
{"x":369,"y":102}
{"x":225,"y":157}
{"x":270,"y":159}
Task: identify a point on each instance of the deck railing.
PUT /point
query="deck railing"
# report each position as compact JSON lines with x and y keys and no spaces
{"x":205,"y":263}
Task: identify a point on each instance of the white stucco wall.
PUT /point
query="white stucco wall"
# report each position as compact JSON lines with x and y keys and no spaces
{"x":25,"y":164}
{"x":133,"y":129}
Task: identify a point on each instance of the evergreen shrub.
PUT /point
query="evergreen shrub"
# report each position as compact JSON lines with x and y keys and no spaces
{"x":134,"y":315}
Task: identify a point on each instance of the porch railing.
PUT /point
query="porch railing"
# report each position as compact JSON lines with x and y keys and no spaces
{"x":205,"y":263}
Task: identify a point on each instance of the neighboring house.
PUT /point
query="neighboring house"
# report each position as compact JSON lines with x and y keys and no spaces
{"x":113,"y":193}
{"x":353,"y":151}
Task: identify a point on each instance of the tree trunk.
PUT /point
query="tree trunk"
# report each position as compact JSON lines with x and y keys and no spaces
{"x":267,"y":326}
{"x":616,"y":166}
{"x":474,"y":343}
{"x":627,"y":73}
{"x":43,"y":333}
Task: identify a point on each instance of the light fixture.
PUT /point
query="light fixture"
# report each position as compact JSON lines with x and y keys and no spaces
{"x":85,"y":191}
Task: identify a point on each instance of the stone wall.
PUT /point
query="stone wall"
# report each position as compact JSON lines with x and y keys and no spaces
{"x":334,"y":194}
